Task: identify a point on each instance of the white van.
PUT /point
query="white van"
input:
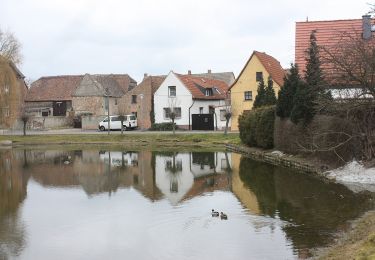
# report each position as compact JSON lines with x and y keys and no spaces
{"x":130,"y":122}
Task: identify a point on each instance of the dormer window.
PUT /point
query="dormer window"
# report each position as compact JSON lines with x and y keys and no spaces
{"x":172,"y":91}
{"x":209,"y":92}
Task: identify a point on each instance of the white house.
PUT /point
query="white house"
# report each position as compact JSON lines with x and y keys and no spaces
{"x":196,"y":100}
{"x":175,"y":174}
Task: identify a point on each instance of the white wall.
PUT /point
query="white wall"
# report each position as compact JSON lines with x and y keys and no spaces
{"x":183,"y":99}
{"x":206,"y":104}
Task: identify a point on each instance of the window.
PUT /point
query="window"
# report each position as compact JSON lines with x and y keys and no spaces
{"x":6,"y":89}
{"x":248,"y":95}
{"x":222,"y":114}
{"x":167,"y":112}
{"x":209,"y":92}
{"x":172,"y":91}
{"x":6,"y":111}
{"x":211,"y":110}
{"x":201,"y":110}
{"x":116,"y":101}
{"x":115,"y":118}
{"x":259,"y":76}
{"x":134,"y":99}
{"x":134,"y":115}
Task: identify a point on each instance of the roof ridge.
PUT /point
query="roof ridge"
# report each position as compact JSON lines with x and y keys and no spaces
{"x":337,"y":20}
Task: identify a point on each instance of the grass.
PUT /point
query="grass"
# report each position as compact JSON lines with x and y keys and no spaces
{"x":149,"y":139}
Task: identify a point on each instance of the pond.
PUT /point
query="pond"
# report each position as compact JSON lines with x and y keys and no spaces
{"x":95,"y":204}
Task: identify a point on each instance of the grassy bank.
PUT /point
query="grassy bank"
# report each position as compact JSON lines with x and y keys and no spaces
{"x":358,"y":243}
{"x":144,"y":139}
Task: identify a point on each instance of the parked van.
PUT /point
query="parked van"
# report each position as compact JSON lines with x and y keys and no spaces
{"x":130,"y":122}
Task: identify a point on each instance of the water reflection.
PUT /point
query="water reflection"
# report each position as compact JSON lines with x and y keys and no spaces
{"x":293,"y":212}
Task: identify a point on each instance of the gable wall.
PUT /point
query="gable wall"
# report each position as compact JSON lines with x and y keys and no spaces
{"x":247,"y":82}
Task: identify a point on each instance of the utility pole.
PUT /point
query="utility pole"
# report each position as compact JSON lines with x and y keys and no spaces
{"x":106,"y":94}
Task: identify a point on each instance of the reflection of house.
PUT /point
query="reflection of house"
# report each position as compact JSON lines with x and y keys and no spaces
{"x":57,"y":95}
{"x":119,"y":159}
{"x":189,"y":95}
{"x":180,"y":176}
{"x":12,"y":93}
{"x":244,"y":89}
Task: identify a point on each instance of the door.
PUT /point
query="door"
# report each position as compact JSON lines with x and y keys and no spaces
{"x":115,"y":122}
{"x":202,"y":122}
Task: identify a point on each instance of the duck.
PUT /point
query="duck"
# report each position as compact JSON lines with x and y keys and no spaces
{"x":223,"y":216}
{"x":214,"y":213}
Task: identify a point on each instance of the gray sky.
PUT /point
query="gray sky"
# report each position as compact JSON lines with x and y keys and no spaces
{"x":155,"y":36}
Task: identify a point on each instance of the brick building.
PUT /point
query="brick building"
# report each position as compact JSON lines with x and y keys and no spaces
{"x":12,"y":93}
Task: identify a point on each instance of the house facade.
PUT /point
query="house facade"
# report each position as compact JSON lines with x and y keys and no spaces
{"x":244,"y":90}
{"x":79,"y":94}
{"x":189,"y":95}
{"x":12,"y":93}
{"x":338,"y":36}
{"x":140,"y":100}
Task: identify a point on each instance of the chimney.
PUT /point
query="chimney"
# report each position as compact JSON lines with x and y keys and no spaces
{"x":189,"y":72}
{"x":209,"y":71}
{"x":366,"y":27}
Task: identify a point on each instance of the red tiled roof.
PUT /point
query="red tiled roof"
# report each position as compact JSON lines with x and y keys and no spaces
{"x":272,"y":66}
{"x":58,"y":88}
{"x":328,"y":34}
{"x":55,"y":88}
{"x":197,"y":86}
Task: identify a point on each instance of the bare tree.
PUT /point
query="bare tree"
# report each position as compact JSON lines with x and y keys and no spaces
{"x":25,"y":117}
{"x":349,"y":66}
{"x":122,"y":115}
{"x":228,"y":113}
{"x":10,"y":47}
{"x":173,"y":111}
{"x":9,"y":92}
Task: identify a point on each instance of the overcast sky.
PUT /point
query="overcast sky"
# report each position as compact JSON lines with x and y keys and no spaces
{"x":62,"y":37}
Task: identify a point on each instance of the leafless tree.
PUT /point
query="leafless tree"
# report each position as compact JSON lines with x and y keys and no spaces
{"x":25,"y":117}
{"x":9,"y":92}
{"x":173,"y":113}
{"x":10,"y":47}
{"x":228,"y":113}
{"x":349,"y":66}
{"x":122,"y":115}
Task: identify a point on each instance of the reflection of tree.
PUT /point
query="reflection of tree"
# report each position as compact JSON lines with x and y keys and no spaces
{"x":13,"y":186}
{"x":173,"y":167}
{"x":204,"y":158}
{"x":315,"y":208}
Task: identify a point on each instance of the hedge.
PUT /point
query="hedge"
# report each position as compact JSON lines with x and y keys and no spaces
{"x":162,"y":127}
{"x":257,"y":127}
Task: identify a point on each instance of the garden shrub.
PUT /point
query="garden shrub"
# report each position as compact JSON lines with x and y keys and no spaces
{"x":257,"y":127}
{"x":162,"y":127}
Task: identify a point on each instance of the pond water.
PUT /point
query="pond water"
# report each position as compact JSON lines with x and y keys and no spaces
{"x":91,"y":204}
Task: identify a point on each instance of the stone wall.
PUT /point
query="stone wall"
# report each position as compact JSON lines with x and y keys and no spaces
{"x":41,"y":123}
{"x":94,"y":105}
{"x":91,"y":122}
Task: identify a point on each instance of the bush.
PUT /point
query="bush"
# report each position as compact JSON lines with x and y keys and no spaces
{"x":162,"y":127}
{"x":257,"y":127}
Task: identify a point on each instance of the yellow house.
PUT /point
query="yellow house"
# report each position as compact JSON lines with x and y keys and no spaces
{"x":244,"y":90}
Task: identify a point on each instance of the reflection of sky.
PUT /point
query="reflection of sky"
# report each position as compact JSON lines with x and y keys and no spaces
{"x":66,"y":224}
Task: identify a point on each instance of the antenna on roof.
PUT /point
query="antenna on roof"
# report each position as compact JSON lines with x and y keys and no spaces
{"x":307,"y":18}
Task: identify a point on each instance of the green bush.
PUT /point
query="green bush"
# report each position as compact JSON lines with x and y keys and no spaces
{"x":257,"y":126}
{"x":162,"y":127}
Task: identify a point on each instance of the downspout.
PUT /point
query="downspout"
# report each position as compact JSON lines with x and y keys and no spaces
{"x":189,"y":112}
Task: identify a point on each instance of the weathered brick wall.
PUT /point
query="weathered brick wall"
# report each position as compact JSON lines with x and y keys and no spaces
{"x":15,"y":103}
{"x":94,"y":105}
{"x":143,"y":106}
